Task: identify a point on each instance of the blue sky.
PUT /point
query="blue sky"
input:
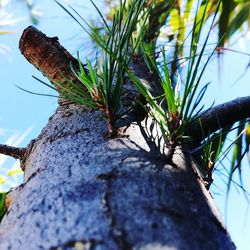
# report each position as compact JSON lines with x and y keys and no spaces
{"x":22,"y":116}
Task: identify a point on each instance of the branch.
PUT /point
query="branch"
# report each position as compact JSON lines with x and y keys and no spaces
{"x":218,"y":117}
{"x":17,"y":153}
{"x":48,"y":56}
{"x":53,"y":60}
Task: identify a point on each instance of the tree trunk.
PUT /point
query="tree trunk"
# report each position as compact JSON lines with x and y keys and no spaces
{"x":85,"y":191}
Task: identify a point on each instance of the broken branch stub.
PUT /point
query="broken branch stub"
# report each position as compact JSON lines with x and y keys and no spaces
{"x":48,"y":56}
{"x":17,"y":153}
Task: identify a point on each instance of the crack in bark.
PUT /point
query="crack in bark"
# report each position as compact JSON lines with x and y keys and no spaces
{"x":33,"y":175}
{"x":117,"y":232}
{"x":62,"y":135}
{"x":106,"y":176}
{"x":173,"y":213}
{"x":69,"y":171}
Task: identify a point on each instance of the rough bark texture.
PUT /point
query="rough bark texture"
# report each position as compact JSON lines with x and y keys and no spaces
{"x":82,"y":189}
{"x":47,"y":55}
{"x":107,"y":193}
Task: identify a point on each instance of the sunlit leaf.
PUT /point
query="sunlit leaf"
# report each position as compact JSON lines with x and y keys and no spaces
{"x":227,"y":7}
{"x":14,"y":171}
{"x":2,"y":180}
{"x":247,"y":134}
{"x":238,"y":155}
{"x":2,"y":32}
{"x":174,"y":20}
{"x":238,"y":20}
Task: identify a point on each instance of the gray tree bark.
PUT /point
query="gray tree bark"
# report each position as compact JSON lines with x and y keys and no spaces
{"x":83,"y":190}
{"x":108,"y":193}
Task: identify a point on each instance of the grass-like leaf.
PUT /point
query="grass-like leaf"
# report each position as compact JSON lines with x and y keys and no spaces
{"x":2,"y":205}
{"x":193,"y":81}
{"x":104,"y":86}
{"x":168,"y":89}
{"x":181,"y":108}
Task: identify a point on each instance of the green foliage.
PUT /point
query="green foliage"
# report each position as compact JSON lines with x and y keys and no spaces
{"x":181,"y":105}
{"x":89,"y":96}
{"x":234,"y":13}
{"x":232,"y":16}
{"x":216,"y":149}
{"x":240,"y":149}
{"x":135,"y":27}
{"x":194,"y":73}
{"x":212,"y":151}
{"x":103,"y":86}
{"x":155,"y":19}
{"x":2,"y":205}
{"x":2,"y":180}
{"x":169,"y":121}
